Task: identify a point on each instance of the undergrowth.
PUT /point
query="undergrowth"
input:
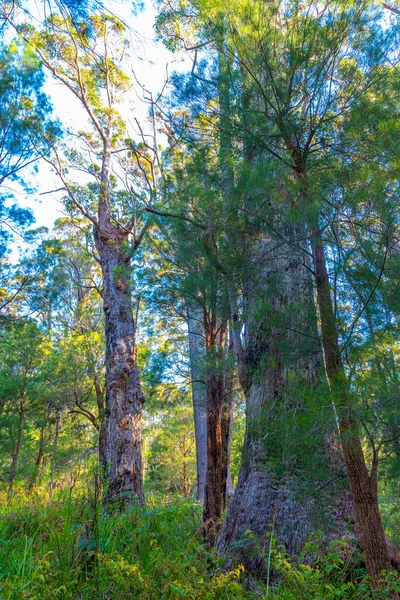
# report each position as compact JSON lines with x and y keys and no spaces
{"x":74,"y":549}
{"x":71,"y":550}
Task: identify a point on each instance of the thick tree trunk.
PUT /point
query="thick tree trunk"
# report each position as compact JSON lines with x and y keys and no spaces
{"x":197,"y":360}
{"x":124,"y":396}
{"x":363,"y":485}
{"x":283,"y":485}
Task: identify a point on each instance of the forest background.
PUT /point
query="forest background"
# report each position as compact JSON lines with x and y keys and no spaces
{"x":210,"y":328}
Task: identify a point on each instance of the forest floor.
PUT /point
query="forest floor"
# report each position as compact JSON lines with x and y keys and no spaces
{"x":72,"y":549}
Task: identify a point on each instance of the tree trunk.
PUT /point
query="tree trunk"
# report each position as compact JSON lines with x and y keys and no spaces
{"x":101,"y":424}
{"x":16,"y":453}
{"x":38,"y":461}
{"x":212,"y":400}
{"x":363,"y":485}
{"x":226,"y":430}
{"x":215,"y":376}
{"x":197,"y":358}
{"x":284,"y":480}
{"x":214,"y":493}
{"x":54,"y":457}
{"x":124,"y":396}
{"x":230,"y":488}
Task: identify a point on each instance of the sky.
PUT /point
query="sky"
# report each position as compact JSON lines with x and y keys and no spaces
{"x":150,"y":64}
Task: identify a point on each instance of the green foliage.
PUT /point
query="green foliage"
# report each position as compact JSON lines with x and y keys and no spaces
{"x":24,"y":126}
{"x":73,"y":548}
{"x":323,"y":571}
{"x":279,"y":88}
{"x":329,"y":575}
{"x":170,"y":453}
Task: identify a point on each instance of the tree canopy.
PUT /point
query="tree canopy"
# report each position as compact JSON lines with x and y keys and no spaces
{"x":212,"y":323}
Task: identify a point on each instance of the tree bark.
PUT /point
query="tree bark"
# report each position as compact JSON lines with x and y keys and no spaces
{"x":287,"y":480}
{"x":363,"y":485}
{"x":124,"y":396}
{"x":282,"y":485}
{"x":215,"y":377}
{"x":197,"y":358}
{"x":230,"y":488}
{"x":212,"y":403}
{"x":115,"y":239}
{"x":226,"y":429}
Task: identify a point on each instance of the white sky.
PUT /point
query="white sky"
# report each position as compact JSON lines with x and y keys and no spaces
{"x":150,"y":66}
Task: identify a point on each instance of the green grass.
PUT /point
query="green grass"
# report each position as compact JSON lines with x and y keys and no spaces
{"x":69,"y":550}
{"x":74,"y":549}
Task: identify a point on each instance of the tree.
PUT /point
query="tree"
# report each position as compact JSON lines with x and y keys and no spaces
{"x":302,"y":106}
{"x":87,"y":61}
{"x":279,"y":64}
{"x":195,"y":254}
{"x":25,"y":117}
{"x":66,"y":299}
{"x":23,"y":349}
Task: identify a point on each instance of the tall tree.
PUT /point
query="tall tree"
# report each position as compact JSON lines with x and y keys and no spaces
{"x":88,"y":61}
{"x":303,"y":106}
{"x":192,"y":191}
{"x":285,"y":63}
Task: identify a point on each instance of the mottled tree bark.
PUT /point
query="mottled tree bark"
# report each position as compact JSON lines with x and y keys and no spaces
{"x":284,"y":481}
{"x":124,"y":396}
{"x":116,"y":238}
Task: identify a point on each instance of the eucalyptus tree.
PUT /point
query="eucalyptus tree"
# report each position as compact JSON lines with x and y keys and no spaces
{"x":309,"y":83}
{"x":119,"y":178}
{"x":270,"y":279}
{"x":307,"y":109}
{"x":299,"y":71}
